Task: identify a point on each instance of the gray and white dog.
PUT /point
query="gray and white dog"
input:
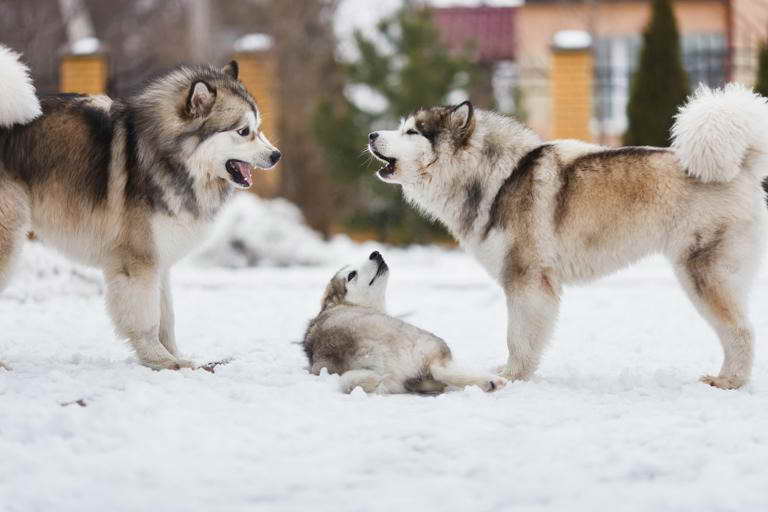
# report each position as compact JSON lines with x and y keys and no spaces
{"x":539,"y":215}
{"x":354,"y":337}
{"x":129,"y":186}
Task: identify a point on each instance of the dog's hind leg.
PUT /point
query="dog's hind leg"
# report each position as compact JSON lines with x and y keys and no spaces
{"x":716,"y":271}
{"x":134,"y":303}
{"x":366,"y":379}
{"x":14,"y":222}
{"x":167,"y":330}
{"x":453,"y":375}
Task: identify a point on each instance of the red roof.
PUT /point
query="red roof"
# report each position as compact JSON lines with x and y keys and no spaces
{"x":491,"y":30}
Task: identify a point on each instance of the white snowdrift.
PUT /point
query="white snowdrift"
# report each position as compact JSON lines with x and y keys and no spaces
{"x":42,"y":273}
{"x":253,"y":231}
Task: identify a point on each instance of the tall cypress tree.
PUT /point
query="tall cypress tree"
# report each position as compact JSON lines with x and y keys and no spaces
{"x":761,"y":85}
{"x":660,"y":83}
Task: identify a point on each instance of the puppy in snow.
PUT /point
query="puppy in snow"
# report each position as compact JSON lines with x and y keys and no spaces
{"x":354,"y":337}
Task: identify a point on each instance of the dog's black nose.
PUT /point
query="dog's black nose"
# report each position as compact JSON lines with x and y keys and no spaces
{"x":373,"y":136}
{"x":275,"y":157}
{"x":376,"y":255}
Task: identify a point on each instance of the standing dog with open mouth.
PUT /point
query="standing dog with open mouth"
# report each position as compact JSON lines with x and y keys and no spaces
{"x":354,"y":337}
{"x":541,"y":215}
{"x":129,"y":186}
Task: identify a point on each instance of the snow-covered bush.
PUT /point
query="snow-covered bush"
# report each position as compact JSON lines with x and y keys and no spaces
{"x":253,"y":231}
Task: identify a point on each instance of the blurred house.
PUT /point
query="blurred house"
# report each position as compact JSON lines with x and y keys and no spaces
{"x":487,"y":31}
{"x":720,"y":39}
{"x":488,"y":35}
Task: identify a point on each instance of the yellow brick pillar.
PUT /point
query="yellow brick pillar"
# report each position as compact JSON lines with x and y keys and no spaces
{"x":85,"y":74}
{"x":572,"y":85}
{"x":258,"y":72}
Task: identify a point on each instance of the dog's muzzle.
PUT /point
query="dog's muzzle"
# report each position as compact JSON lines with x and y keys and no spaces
{"x":391,"y":163}
{"x":382,"y":268}
{"x":241,"y":172}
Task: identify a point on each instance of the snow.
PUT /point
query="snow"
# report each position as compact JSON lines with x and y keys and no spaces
{"x":253,"y":231}
{"x":572,"y":39}
{"x":615,"y":418}
{"x":86,"y":46}
{"x":254,"y":43}
{"x":366,"y":98}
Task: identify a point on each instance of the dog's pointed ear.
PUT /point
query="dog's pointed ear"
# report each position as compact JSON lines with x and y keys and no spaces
{"x":334,"y":293}
{"x":232,"y":69}
{"x":201,"y":98}
{"x":463,"y":121}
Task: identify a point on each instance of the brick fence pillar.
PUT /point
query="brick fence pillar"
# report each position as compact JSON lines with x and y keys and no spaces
{"x":572,"y":85}
{"x":258,"y":72}
{"x":85,"y":74}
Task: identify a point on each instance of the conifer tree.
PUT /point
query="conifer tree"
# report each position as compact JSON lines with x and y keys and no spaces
{"x":411,"y":69}
{"x":660,"y":83}
{"x":761,"y":85}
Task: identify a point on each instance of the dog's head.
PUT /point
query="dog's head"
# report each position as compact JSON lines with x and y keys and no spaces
{"x":206,"y":115}
{"x":424,"y":138}
{"x":361,"y":285}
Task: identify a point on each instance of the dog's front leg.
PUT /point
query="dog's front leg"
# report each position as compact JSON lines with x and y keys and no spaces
{"x":531,"y":315}
{"x":167,"y":321}
{"x":133,"y":301}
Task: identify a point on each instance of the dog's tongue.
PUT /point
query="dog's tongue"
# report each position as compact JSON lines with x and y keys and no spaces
{"x":246,"y":170}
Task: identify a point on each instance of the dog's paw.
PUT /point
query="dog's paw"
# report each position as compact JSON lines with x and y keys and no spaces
{"x":170,"y":364}
{"x":494,"y":384}
{"x":512,"y":374}
{"x":721,"y":382}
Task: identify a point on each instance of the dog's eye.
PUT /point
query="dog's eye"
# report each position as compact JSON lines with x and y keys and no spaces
{"x":412,"y":132}
{"x":352,"y":275}
{"x":244,"y":132}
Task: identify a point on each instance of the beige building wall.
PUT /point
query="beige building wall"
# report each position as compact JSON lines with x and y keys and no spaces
{"x":537,"y":24}
{"x":750,"y":29}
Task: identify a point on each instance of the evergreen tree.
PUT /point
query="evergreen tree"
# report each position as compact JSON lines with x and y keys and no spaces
{"x":761,"y":85}
{"x":660,"y":84}
{"x":411,"y":69}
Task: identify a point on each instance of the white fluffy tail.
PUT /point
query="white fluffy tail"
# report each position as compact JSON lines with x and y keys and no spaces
{"x":720,"y":132}
{"x":18,"y":102}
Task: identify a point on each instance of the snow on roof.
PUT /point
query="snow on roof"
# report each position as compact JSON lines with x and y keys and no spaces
{"x":85,"y":46}
{"x":254,"y":43}
{"x":572,"y":40}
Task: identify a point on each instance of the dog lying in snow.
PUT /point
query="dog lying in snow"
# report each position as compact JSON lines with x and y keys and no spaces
{"x":354,"y":337}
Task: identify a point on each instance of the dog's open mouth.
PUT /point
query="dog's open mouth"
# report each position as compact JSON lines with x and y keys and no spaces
{"x":383,"y":269}
{"x":389,"y":168}
{"x":241,"y":172}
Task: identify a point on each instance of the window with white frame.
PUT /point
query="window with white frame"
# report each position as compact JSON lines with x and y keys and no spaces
{"x":704,"y":57}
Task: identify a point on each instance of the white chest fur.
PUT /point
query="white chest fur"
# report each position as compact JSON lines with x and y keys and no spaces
{"x":175,"y":237}
{"x":489,"y":252}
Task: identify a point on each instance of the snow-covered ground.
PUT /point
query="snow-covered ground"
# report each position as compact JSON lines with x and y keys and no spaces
{"x":615,"y":419}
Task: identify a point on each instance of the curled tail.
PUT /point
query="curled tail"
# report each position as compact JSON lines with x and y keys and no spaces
{"x":720,"y":132}
{"x":18,"y":102}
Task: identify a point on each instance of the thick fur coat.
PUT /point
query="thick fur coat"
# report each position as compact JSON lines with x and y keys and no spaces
{"x":129,"y":186}
{"x":353,"y":336}
{"x":541,"y":215}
